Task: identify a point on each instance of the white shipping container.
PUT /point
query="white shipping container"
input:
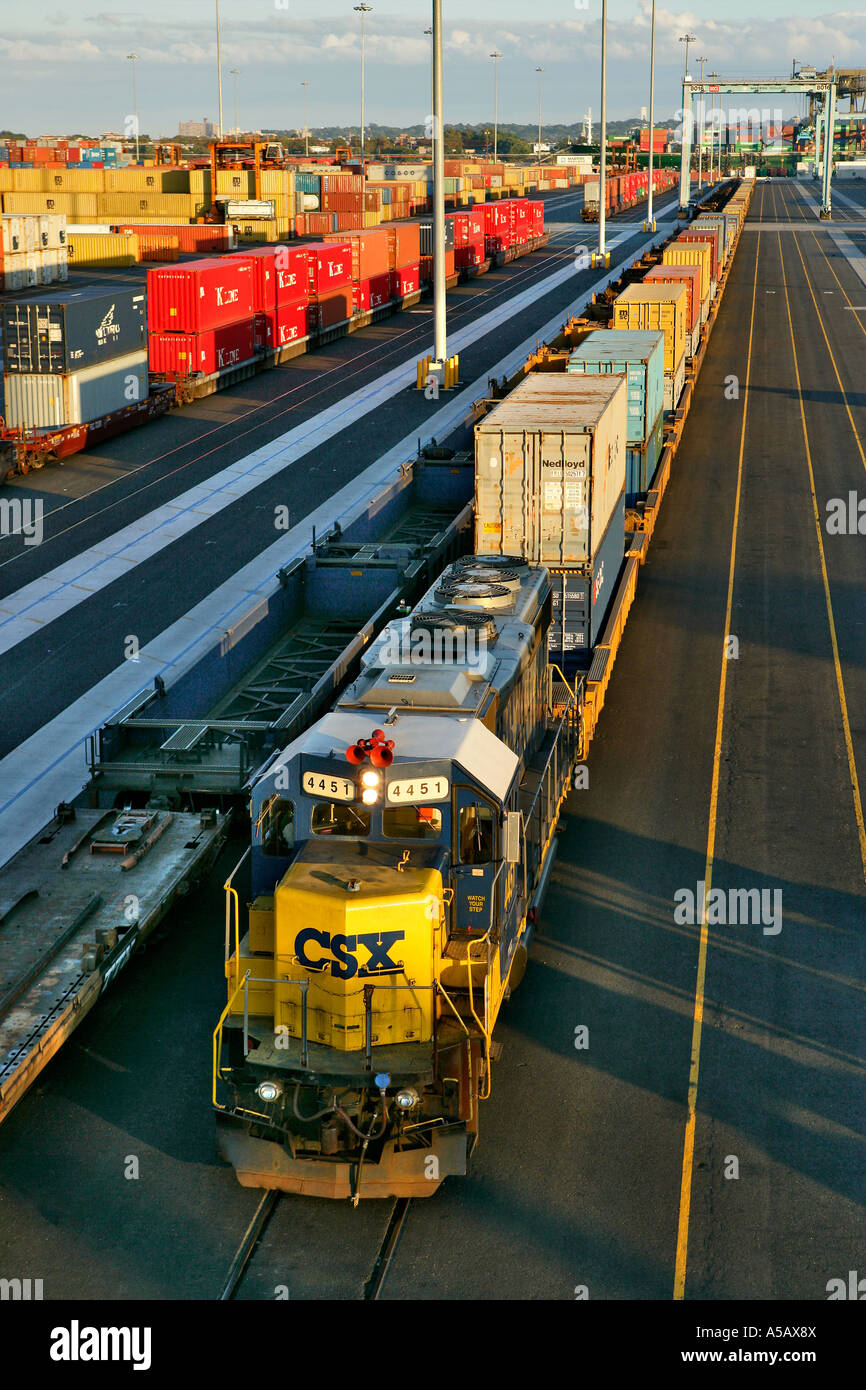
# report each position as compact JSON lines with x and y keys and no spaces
{"x":550,"y":467}
{"x":41,"y":401}
{"x":13,"y":273}
{"x":14,"y":241}
{"x":47,"y":267}
{"x":674,"y":383}
{"x":850,"y":169}
{"x":62,"y":263}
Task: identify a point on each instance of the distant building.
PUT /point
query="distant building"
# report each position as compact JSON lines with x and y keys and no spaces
{"x":543,"y":148}
{"x":196,"y":130}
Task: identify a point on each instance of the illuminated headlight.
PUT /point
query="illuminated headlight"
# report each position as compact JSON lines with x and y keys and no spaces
{"x":370,"y":779}
{"x":408,"y":1098}
{"x":369,"y":796}
{"x":268,"y":1090}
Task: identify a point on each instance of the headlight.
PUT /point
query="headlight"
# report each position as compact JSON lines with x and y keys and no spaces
{"x":369,"y":796}
{"x":370,"y":779}
{"x":268,"y":1090}
{"x":407,"y":1098}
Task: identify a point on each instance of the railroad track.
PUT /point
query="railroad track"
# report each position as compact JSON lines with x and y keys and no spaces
{"x":380,"y":1266}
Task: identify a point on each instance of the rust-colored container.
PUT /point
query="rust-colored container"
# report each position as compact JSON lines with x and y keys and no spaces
{"x":688,"y":275}
{"x":331,"y":309}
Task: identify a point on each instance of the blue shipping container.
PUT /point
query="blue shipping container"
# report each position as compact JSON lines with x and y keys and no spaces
{"x":641,"y":358}
{"x":581,"y":598}
{"x":307,"y":183}
{"x":641,"y":464}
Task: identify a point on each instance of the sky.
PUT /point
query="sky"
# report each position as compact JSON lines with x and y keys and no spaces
{"x":64,"y":68}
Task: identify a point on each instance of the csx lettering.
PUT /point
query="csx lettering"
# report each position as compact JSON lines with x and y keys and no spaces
{"x":344,"y":964}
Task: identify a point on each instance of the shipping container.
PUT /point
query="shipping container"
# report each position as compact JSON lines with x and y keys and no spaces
{"x":190,"y":238}
{"x":38,"y":400}
{"x":641,"y":464}
{"x":581,"y":598}
{"x":287,"y":323}
{"x":674,"y":383}
{"x":214,"y":349}
{"x":329,"y":264}
{"x":372,"y":293}
{"x":688,"y":275}
{"x":370,"y":252}
{"x":426,"y":233}
{"x":707,"y":238}
{"x":550,"y":467}
{"x":406,"y":280}
{"x":109,"y":250}
{"x":697,"y":253}
{"x":200,"y":295}
{"x":65,"y":330}
{"x":640,"y":356}
{"x":643,"y":306}
{"x":404,"y":240}
{"x":328,"y":310}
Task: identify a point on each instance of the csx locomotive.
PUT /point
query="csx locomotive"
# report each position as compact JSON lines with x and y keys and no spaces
{"x":397,"y":846}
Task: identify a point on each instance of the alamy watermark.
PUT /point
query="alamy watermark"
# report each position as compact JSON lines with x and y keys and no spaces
{"x":405,"y":645}
{"x":22,"y":517}
{"x":738,"y":907}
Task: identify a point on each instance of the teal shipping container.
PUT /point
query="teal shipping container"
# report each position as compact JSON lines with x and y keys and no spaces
{"x":641,"y":464}
{"x":637,"y":354}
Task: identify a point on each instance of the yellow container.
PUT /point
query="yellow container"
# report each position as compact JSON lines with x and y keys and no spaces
{"x":660,"y":307}
{"x":80,"y":205}
{"x":252,"y":230}
{"x":691,"y":253}
{"x":146,"y":181}
{"x":277,"y":183}
{"x":112,"y":207}
{"x":239,"y":183}
{"x":74,"y":180}
{"x":101,"y":249}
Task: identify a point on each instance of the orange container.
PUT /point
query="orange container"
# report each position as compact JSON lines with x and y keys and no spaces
{"x":688,"y":275}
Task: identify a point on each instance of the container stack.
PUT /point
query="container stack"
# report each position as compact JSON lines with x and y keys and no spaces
{"x":201,"y":316}
{"x":331,"y":296}
{"x":404,"y":258}
{"x":33,"y":251}
{"x":661,"y":308}
{"x":469,"y":238}
{"x":73,"y":356}
{"x":281,"y":275}
{"x":550,"y":487}
{"x":690,"y":276}
{"x":640,"y":357}
{"x":696,"y":253}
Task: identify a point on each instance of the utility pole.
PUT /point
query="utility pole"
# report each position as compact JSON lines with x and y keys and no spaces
{"x":219,"y":69}
{"x":133,"y":58}
{"x":687,"y":39}
{"x":649,"y":225}
{"x":363,"y":11}
{"x":602,"y":256}
{"x":440,"y":351}
{"x":701,"y":127}
{"x":495,"y":55}
{"x":540,"y":71}
{"x":305,"y":85}
{"x":235,"y":72}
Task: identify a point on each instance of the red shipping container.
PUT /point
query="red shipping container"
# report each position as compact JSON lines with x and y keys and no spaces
{"x":710,"y":239}
{"x":330,"y":266}
{"x":197,"y":237}
{"x":180,"y":354}
{"x":470,"y":255}
{"x":372,"y":293}
{"x":370,"y":253}
{"x":405,"y":243}
{"x":287,"y":323}
{"x":688,"y":275}
{"x":406,"y":280}
{"x":200,"y":295}
{"x":330,"y":309}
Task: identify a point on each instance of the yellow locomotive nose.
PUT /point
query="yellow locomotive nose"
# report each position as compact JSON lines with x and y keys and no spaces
{"x":363,"y":934}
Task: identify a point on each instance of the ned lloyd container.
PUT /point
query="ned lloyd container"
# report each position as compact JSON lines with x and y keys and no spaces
{"x":329,"y":264}
{"x":63,"y":330}
{"x":640,"y":356}
{"x":73,"y":398}
{"x":550,"y":467}
{"x":182,"y":354}
{"x":581,"y":598}
{"x":659,"y":307}
{"x":197,"y":296}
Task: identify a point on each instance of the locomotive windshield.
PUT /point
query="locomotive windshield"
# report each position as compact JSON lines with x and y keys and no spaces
{"x":338,"y":818}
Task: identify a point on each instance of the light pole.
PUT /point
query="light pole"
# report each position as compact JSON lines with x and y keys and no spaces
{"x":219,"y":69}
{"x":714,"y":135}
{"x":649,"y":225}
{"x":495,"y":55}
{"x":133,"y":58}
{"x":305,"y":85}
{"x":363,"y":11}
{"x":440,"y":350}
{"x":539,"y":71}
{"x":701,"y":127}
{"x":687,"y":39}
{"x":429,"y":34}
{"x":602,"y":257}
{"x":235,"y":72}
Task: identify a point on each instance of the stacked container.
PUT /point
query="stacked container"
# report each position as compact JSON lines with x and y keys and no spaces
{"x":201,"y":315}
{"x":371,"y":267}
{"x":690,"y":276}
{"x":72,"y":356}
{"x":329,"y":269}
{"x":696,"y":253}
{"x":708,"y":236}
{"x":659,"y":307}
{"x":33,"y":250}
{"x":550,"y":486}
{"x":280,"y":295}
{"x":640,"y":357}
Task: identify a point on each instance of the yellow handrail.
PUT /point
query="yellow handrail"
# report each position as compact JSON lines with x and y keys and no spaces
{"x":217,"y":1036}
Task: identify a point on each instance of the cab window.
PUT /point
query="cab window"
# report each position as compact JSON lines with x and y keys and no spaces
{"x":412,"y":822}
{"x":337,"y":818}
{"x":476,"y":834}
{"x":277,"y":826}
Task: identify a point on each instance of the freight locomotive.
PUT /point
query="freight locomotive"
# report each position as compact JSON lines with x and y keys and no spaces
{"x":396,"y":849}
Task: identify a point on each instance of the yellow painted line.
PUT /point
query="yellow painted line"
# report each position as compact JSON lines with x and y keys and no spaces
{"x":832,"y":358}
{"x":851,"y":306}
{"x":837,"y":666}
{"x":698,"y":1017}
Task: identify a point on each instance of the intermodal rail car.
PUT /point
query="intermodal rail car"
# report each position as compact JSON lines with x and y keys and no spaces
{"x":399,"y":850}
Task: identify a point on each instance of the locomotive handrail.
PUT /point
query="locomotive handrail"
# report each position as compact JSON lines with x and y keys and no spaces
{"x":232,"y":894}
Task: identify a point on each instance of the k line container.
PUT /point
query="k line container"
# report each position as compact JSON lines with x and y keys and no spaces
{"x":73,"y":398}
{"x":329,"y":264}
{"x":65,"y":330}
{"x":182,"y":354}
{"x":199,"y":295}
{"x":405,"y":281}
{"x":372,"y":293}
{"x":660,"y":307}
{"x":288,"y":323}
{"x":281,"y":276}
{"x":691,"y":253}
{"x":550,"y":467}
{"x":640,"y":356}
{"x":581,"y":598}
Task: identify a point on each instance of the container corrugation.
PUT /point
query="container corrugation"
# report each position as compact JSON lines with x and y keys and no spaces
{"x":287,"y":323}
{"x":640,"y":356}
{"x":641,"y":464}
{"x":199,"y":295}
{"x":550,"y":467}
{"x":330,"y":266}
{"x":64,"y":330}
{"x":674,"y":383}
{"x":661,"y":307}
{"x":581,"y":598}
{"x":688,"y":275}
{"x":691,"y":253}
{"x":112,"y":249}
{"x":184,"y":354}
{"x":39,"y":401}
